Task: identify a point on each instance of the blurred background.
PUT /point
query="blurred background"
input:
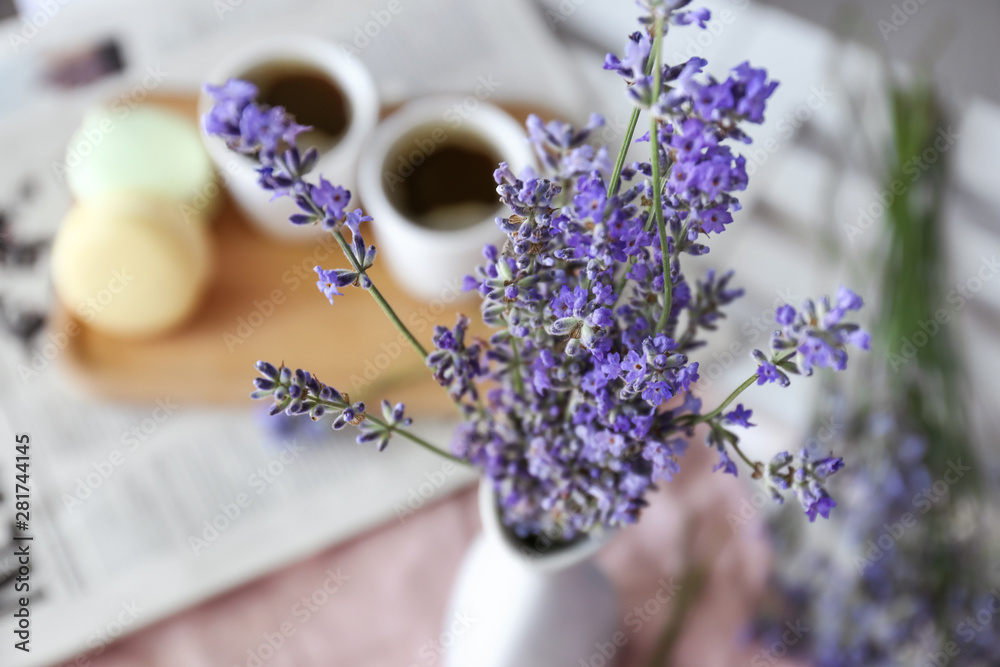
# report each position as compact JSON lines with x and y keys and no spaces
{"x":876,"y":167}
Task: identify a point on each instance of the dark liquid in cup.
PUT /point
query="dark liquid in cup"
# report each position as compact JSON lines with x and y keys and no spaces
{"x":311,"y":97}
{"x":451,"y":187}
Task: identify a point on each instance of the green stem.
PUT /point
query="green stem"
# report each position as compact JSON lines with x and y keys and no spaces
{"x":732,"y":397}
{"x":516,"y":366}
{"x":739,"y":390}
{"x":753,"y":466}
{"x":654,"y":59}
{"x":616,"y":175}
{"x":654,"y":141}
{"x":420,"y":441}
{"x":379,"y":299}
{"x":395,"y":429}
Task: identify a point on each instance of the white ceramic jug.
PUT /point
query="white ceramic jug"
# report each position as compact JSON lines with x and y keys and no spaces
{"x":523,"y":606}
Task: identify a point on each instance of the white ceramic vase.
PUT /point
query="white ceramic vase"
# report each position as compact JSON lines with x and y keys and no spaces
{"x":517,"y":604}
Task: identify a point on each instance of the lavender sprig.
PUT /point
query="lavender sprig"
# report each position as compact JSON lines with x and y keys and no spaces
{"x":455,"y":364}
{"x":299,"y":393}
{"x":259,"y":132}
{"x":380,"y":432}
{"x":815,"y":337}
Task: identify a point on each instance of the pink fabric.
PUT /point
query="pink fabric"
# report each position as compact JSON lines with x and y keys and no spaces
{"x":396,"y":579}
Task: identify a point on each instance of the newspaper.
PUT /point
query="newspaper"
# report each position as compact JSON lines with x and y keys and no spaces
{"x":151,"y":509}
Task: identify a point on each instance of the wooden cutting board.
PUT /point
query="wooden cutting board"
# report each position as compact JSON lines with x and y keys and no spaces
{"x":263,"y":304}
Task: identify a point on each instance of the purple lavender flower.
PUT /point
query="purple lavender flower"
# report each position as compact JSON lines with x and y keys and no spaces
{"x":820,"y":503}
{"x":299,"y":392}
{"x":740,"y":416}
{"x":753,"y":89}
{"x":330,"y":281}
{"x":805,"y":478}
{"x":664,"y":457}
{"x":245,"y":126}
{"x":785,"y":315}
{"x":380,"y":433}
{"x":354,"y":219}
{"x":768,"y":372}
{"x":559,"y":146}
{"x":814,"y":337}
{"x":726,"y":464}
{"x":700,"y":16}
{"x":714,"y":220}
{"x":633,"y":65}
{"x":456,"y":365}
{"x":332,"y":199}
{"x":231,"y":98}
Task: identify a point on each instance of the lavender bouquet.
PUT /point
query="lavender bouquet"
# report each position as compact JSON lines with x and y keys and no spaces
{"x":583,"y":398}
